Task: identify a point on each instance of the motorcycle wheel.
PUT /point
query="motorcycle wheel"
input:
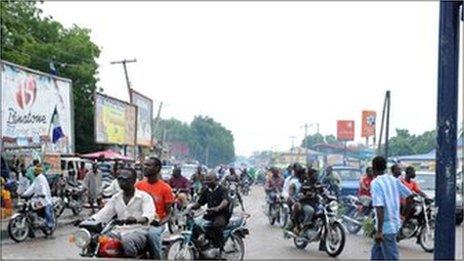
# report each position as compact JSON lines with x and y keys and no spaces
{"x":300,"y":243}
{"x":352,"y":227}
{"x":283,"y":216}
{"x":59,"y":209}
{"x":234,"y":248}
{"x":177,"y":250}
{"x":271,"y":216}
{"x":426,"y":240}
{"x":335,"y":239}
{"x":18,"y":228}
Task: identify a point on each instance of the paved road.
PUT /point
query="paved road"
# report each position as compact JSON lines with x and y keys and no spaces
{"x":264,"y":242}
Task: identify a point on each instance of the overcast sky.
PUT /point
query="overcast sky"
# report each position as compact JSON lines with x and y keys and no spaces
{"x":263,"y":69}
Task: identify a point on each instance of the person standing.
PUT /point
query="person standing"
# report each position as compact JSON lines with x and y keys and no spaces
{"x":82,"y":171}
{"x":396,"y":170}
{"x":93,"y":183}
{"x":386,"y":192}
{"x":163,"y":198}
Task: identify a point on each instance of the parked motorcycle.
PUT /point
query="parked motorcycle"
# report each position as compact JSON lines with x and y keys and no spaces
{"x":30,"y":216}
{"x":357,"y":211}
{"x":325,"y":228}
{"x":276,"y":209}
{"x":183,"y":247}
{"x":72,"y":197}
{"x":97,"y":240}
{"x":421,"y":224}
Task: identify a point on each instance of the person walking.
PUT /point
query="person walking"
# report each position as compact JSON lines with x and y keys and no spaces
{"x":386,"y":193}
{"x":93,"y":184}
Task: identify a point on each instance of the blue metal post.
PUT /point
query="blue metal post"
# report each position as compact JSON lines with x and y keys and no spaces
{"x":447,"y":108}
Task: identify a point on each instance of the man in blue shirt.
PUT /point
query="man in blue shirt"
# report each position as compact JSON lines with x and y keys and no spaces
{"x":386,"y":193}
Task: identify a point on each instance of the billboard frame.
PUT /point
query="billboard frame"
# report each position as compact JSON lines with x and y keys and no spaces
{"x":95,"y":119}
{"x":151,"y":116}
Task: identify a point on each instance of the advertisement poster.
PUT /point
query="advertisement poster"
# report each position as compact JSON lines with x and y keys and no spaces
{"x":36,"y":110}
{"x":115,"y":121}
{"x":368,"y":124}
{"x":144,"y":118}
{"x":345,"y":130}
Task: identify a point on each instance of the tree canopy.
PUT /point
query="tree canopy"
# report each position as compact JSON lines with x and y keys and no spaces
{"x":32,"y":40}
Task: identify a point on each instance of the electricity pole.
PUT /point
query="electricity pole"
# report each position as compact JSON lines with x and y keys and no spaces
{"x":124,"y":62}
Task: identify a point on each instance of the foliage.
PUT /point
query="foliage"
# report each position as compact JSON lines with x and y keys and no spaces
{"x":208,"y":141}
{"x":313,"y":139}
{"x":406,"y":144}
{"x":34,"y":41}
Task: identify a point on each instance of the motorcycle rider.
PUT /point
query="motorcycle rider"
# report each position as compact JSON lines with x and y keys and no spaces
{"x":132,"y":205}
{"x":41,"y":188}
{"x":218,"y":213}
{"x":93,"y":183}
{"x":233,"y":178}
{"x":181,"y":184}
{"x":163,"y":198}
{"x":412,"y":185}
{"x":364,"y":192}
{"x":293,"y":196}
{"x":197,"y":180}
{"x":273,"y":185}
{"x":333,"y":179}
{"x":396,"y":170}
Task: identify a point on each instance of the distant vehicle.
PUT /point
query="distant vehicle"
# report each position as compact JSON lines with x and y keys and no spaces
{"x":75,"y":164}
{"x":426,"y":180}
{"x":188,"y":170}
{"x":350,"y":179}
{"x":166,"y":172}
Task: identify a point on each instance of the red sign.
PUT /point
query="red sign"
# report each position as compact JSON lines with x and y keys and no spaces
{"x":345,"y":130}
{"x":368,"y":123}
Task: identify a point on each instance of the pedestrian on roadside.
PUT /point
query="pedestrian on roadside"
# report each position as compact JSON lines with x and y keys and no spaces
{"x":93,"y":183}
{"x":82,"y":171}
{"x":386,"y":192}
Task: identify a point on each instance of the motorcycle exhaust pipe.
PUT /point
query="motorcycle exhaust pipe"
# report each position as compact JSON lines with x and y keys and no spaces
{"x":352,"y":220}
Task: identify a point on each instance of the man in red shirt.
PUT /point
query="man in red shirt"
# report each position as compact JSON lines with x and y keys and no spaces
{"x":163,"y":198}
{"x":82,"y":171}
{"x":411,"y":185}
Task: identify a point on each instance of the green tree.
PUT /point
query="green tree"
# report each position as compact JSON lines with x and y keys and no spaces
{"x":311,"y":140}
{"x":34,"y":41}
{"x":331,"y":139}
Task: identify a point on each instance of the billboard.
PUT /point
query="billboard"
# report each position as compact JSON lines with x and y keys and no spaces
{"x":144,"y":118}
{"x":115,"y":121}
{"x":368,"y":124}
{"x":37,"y":110}
{"x":345,"y":130}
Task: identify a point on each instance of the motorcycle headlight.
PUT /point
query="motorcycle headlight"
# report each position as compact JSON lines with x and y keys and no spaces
{"x":82,"y":238}
{"x":333,"y":205}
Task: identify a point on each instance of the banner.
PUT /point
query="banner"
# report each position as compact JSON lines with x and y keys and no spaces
{"x":115,"y":121}
{"x":345,"y":130}
{"x":144,"y":118}
{"x":36,"y":110}
{"x":368,"y":123}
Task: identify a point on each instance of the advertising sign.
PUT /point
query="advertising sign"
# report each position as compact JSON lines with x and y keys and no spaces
{"x":368,"y":124}
{"x":115,"y":121}
{"x":345,"y":130}
{"x":36,"y":110}
{"x":144,"y":118}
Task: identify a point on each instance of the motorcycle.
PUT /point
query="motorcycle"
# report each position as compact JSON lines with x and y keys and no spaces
{"x":30,"y":216}
{"x":183,"y":247}
{"x":72,"y":196}
{"x":234,"y":196}
{"x":97,"y":240}
{"x":177,"y":221}
{"x":325,"y":228}
{"x":357,"y":211}
{"x":276,"y":209}
{"x":421,"y":224}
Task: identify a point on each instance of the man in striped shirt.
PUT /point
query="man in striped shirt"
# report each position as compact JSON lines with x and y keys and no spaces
{"x":386,"y":193}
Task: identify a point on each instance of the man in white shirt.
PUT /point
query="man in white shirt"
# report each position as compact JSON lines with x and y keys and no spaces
{"x":41,"y":188}
{"x":132,"y":205}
